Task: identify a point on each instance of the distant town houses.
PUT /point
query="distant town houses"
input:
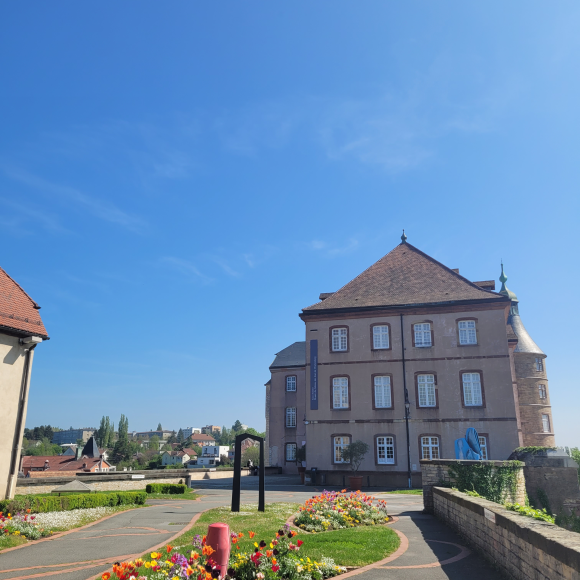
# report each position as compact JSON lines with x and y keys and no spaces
{"x":202,"y":439}
{"x":210,"y":456}
{"x":88,"y":460}
{"x":178,"y":457}
{"x":211,"y":430}
{"x":162,"y":434}
{"x":189,"y":431}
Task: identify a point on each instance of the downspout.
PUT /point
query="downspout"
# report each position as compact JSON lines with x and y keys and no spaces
{"x":407,"y":405}
{"x":19,"y":420}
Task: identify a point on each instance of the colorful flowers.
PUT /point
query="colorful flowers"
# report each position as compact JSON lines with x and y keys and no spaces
{"x":333,"y":511}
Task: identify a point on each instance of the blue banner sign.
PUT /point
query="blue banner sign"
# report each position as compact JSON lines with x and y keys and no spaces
{"x":314,"y":374}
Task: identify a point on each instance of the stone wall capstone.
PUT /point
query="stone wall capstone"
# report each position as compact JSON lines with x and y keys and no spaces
{"x":522,"y":547}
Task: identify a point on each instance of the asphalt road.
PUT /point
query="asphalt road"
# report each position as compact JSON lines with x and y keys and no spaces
{"x":434,"y":552}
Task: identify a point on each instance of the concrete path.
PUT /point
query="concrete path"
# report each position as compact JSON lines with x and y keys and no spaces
{"x":434,"y":552}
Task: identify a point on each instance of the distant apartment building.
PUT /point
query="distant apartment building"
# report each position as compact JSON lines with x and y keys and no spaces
{"x":73,"y":435}
{"x":408,"y":341}
{"x":163,"y":434}
{"x":189,"y":431}
{"x":211,"y":430}
{"x":211,"y":454}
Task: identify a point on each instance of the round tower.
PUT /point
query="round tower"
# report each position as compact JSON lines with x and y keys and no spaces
{"x":532,"y":379}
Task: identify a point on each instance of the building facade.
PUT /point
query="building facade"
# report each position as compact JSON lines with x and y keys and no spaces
{"x":73,"y":435}
{"x":21,"y":330}
{"x":408,"y":344}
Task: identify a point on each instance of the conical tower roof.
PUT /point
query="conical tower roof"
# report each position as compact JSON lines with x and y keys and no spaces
{"x":91,"y":449}
{"x":405,"y":276}
{"x":525,"y":342}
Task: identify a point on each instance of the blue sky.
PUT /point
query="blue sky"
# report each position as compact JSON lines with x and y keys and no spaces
{"x":178,"y":180}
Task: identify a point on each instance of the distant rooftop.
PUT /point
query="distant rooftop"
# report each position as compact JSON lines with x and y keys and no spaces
{"x":292,"y":356}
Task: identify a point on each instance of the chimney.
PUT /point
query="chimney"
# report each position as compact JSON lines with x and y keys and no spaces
{"x":85,"y":465}
{"x":46,"y":465}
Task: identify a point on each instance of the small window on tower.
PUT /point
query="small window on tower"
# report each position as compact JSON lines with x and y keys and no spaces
{"x":539,"y":365}
{"x":542,"y":391}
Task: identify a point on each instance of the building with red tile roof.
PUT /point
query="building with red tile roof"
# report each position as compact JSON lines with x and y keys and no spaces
{"x":405,"y":357}
{"x":21,"y":329}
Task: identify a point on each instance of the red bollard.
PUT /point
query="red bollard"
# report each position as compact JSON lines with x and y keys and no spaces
{"x":218,"y":537}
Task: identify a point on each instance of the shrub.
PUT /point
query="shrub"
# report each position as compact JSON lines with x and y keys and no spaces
{"x":530,"y":512}
{"x":168,"y":488}
{"x":71,"y":502}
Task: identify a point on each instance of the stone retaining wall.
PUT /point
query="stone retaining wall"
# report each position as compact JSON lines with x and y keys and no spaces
{"x":121,"y":480}
{"x":437,"y":470}
{"x":522,"y":547}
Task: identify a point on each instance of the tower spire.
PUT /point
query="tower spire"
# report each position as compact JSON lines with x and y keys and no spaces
{"x":403,"y":237}
{"x":504,"y":289}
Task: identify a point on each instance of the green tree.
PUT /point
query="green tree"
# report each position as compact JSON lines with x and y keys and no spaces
{"x":159,"y":427}
{"x":180,"y":438}
{"x":111,"y":435}
{"x":252,"y":453}
{"x":123,"y":428}
{"x":154,"y":443}
{"x":575,"y":454}
{"x":172,"y":438}
{"x":226,"y":437}
{"x":122,"y":451}
{"x":237,"y":426}
{"x":80,"y":443}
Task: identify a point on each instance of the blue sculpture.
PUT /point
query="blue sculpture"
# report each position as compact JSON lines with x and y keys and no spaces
{"x":468,"y":447}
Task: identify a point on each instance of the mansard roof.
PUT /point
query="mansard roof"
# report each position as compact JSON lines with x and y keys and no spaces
{"x":18,"y":312}
{"x":292,"y":356}
{"x":404,"y":277}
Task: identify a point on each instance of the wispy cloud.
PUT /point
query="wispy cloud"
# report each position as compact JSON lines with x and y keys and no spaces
{"x":186,"y":268}
{"x":24,"y":214}
{"x":71,"y":196}
{"x":225,"y":267}
{"x":331,"y":250}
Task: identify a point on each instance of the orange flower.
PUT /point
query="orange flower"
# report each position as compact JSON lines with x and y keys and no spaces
{"x":169,"y":548}
{"x":294,"y":533}
{"x":195,"y":555}
{"x":106,"y":576}
{"x":234,"y":540}
{"x":203,"y":540}
{"x":207,"y":551}
{"x":28,"y":511}
{"x":240,"y":535}
{"x":269,"y":553}
{"x":252,"y":534}
{"x":343,"y":491}
{"x":238,"y":547}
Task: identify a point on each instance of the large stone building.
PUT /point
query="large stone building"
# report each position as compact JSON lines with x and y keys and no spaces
{"x":21,"y":329}
{"x":405,"y":357}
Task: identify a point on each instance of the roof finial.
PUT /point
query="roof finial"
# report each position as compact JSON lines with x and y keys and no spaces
{"x":403,"y":237}
{"x":504,"y":289}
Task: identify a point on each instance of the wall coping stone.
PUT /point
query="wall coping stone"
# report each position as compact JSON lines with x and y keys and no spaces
{"x":550,"y":538}
{"x":493,"y":462}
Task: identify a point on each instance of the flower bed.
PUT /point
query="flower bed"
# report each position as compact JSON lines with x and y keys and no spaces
{"x":276,"y":559}
{"x":22,"y":524}
{"x":334,"y":510}
{"x":36,"y":526}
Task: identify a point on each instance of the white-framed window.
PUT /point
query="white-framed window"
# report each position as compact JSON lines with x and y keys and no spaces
{"x":291,"y":383}
{"x":483,"y":445}
{"x":422,"y":334}
{"x":380,"y":337}
{"x":340,"y":393}
{"x":539,"y":365}
{"x":467,"y":333}
{"x":290,"y":416}
{"x":382,"y":392}
{"x":339,"y":339}
{"x":426,"y":384}
{"x":430,"y":447}
{"x":290,"y":451}
{"x":385,"y":450}
{"x":542,"y":391}
{"x":546,"y":423}
{"x":339,"y":443}
{"x":472,"y":389}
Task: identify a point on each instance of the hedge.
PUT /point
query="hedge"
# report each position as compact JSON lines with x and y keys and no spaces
{"x":71,"y":502}
{"x":170,"y":488}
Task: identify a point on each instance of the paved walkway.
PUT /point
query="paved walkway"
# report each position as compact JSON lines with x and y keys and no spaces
{"x":434,"y":552}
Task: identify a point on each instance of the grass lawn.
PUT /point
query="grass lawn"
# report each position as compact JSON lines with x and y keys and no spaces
{"x":11,"y":541}
{"x":189,"y":494}
{"x":351,"y":547}
{"x":406,"y":491}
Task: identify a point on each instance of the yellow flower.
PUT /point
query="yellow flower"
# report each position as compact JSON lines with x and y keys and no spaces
{"x":147,"y":565}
